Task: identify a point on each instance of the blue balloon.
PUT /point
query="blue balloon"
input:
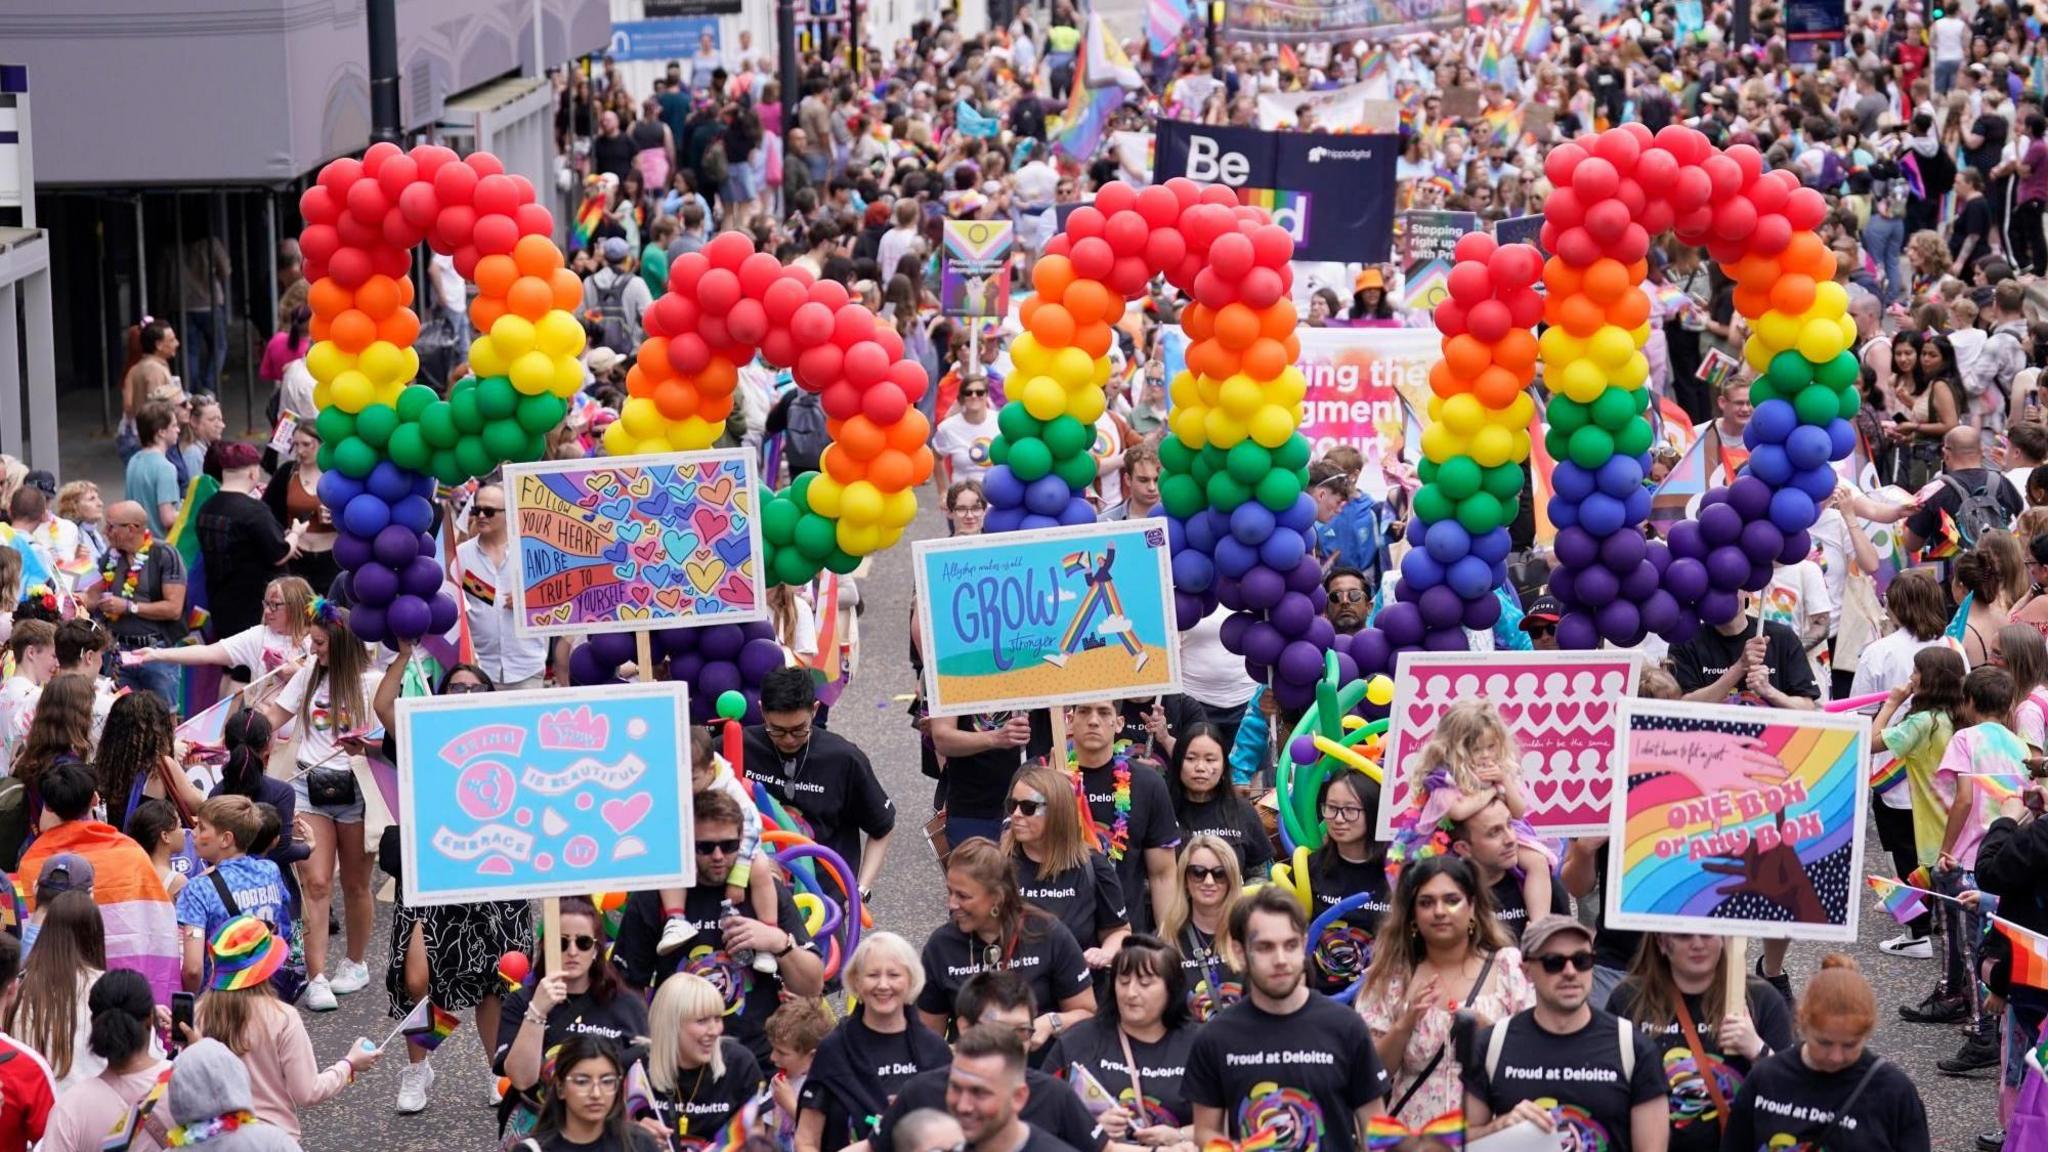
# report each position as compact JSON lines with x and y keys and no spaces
{"x":1571,"y":482}
{"x":336,"y":489}
{"x":1301,"y":515}
{"x":1807,"y":447}
{"x":1493,"y":546}
{"x":1771,"y":423}
{"x":1818,"y":483}
{"x":1770,"y":465}
{"x":1077,"y":511}
{"x":1282,"y":551}
{"x":423,"y":487}
{"x":415,"y":513}
{"x":1420,"y":570}
{"x":1251,"y":522}
{"x":1602,"y":515}
{"x":1841,"y":439}
{"x":1200,"y":532}
{"x":1001,"y":488}
{"x":390,"y":482}
{"x":1003,"y":519}
{"x":1620,"y":476}
{"x":1234,"y":559}
{"x":1176,"y":536}
{"x":1447,"y":541}
{"x":1563,"y":513}
{"x":1792,"y":510}
{"x":1193,"y":572}
{"x":1470,"y":578}
{"x":1047,"y":495}
{"x":366,"y":515}
{"x":1638,"y":505}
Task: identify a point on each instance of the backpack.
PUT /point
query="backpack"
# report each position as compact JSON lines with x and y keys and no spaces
{"x":1979,"y":511}
{"x":1625,"y":1033}
{"x":713,"y":165}
{"x":616,"y":333}
{"x":805,"y":437}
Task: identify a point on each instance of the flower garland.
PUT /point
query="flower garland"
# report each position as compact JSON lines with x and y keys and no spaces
{"x":1119,"y":840}
{"x":204,"y":1130}
{"x":133,"y":581}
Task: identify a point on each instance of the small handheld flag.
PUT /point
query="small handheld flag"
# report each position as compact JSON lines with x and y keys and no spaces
{"x":1902,"y":902}
{"x":2029,"y":954}
{"x":425,"y":1026}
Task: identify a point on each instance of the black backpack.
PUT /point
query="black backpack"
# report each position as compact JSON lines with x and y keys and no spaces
{"x":805,"y":438}
{"x":1977,"y":512}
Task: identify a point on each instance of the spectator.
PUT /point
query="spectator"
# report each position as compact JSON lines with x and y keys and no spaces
{"x":152,"y":479}
{"x":123,"y":1036}
{"x":1972,"y":498}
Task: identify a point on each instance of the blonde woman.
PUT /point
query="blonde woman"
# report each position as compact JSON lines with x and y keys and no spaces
{"x":1197,"y":923}
{"x":80,"y":503}
{"x":1058,"y":868}
{"x":700,"y":1078}
{"x":865,"y":1062}
{"x":283,"y":636}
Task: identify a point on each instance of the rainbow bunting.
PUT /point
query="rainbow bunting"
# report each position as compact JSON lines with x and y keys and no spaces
{"x":1902,"y":902}
{"x":2029,"y":954}
{"x":427,"y":1025}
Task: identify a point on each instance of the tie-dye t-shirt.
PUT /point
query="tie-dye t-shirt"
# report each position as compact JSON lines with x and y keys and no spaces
{"x":1984,"y":749}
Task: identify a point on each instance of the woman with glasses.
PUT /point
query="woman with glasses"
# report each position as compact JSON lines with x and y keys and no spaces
{"x":1439,"y":945}
{"x":1196,"y":922}
{"x":989,"y":927}
{"x":1204,"y":801}
{"x":586,"y":1110}
{"x":1676,"y":992}
{"x":585,"y":999}
{"x":280,"y":636}
{"x":1348,"y":863}
{"x":1058,"y":869}
{"x":861,"y":1066}
{"x":445,"y":953}
{"x":700,"y":1079}
{"x":1137,"y":1049}
{"x":293,"y":497}
{"x":963,"y":437}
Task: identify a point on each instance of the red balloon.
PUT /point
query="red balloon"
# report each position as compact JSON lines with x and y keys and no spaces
{"x":1773,"y":233}
{"x":1631,"y":196}
{"x":1126,"y":233}
{"x":496,"y":195}
{"x":1488,"y":321}
{"x":1576,"y":246}
{"x":401,"y":233}
{"x":1449,"y":317}
{"x":1231,"y":256}
{"x":841,"y":400}
{"x":1805,"y":209}
{"x":820,"y":366}
{"x":1261,"y":288}
{"x":431,"y":157}
{"x":1057,"y":246}
{"x":1272,"y":246}
{"x":831,"y":293}
{"x":1748,"y":160}
{"x":1656,"y":217}
{"x":367,"y":202}
{"x":1470,"y":283}
{"x":867,"y":365}
{"x":1725,"y":174}
{"x":1693,"y":188}
{"x":533,"y":220}
{"x":455,"y":183}
{"x":686,"y":271}
{"x":1129,"y":275}
{"x":1185,"y":192}
{"x":890,"y":343}
{"x":483,"y":164}
{"x":393,"y":262}
{"x":1114,"y":197}
{"x":688,"y":353}
{"x":778,"y":347}
{"x":852,"y":325}
{"x":1595,"y":180}
{"x":1606,"y":220}
{"x":376,"y":154}
{"x":757,"y":272}
{"x":713,"y":331}
{"x":417,"y":204}
{"x":355,"y":233}
{"x":884,"y":404}
{"x":350,"y":267}
{"x":748,"y":322}
{"x":1564,"y":208}
{"x":1640,"y":132}
{"x":465,"y":261}
{"x":811,"y":324}
{"x":1093,"y":258}
{"x":1474,"y":246}
{"x":729,"y":250}
{"x":317,"y":243}
{"x":1734,"y":219}
{"x":1218,"y":195}
{"x":318,"y":206}
{"x":1525,"y":310}
{"x":1513,"y":267}
{"x":1213,"y":290}
{"x":1559,"y":164}
{"x":664,"y":319}
{"x":1164,"y":248}
{"x":782,"y":298}
{"x":1156,"y":204}
{"x":1086,"y":221}
{"x":1633,"y":245}
{"x":339,"y":174}
{"x":908,"y":376}
{"x":1656,"y":172}
{"x":718,"y":290}
{"x":524,"y":187}
{"x":496,"y":235}
{"x":1619,"y":148}
{"x":1546,"y":236}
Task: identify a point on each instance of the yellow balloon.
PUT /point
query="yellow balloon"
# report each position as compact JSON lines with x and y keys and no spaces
{"x":559,"y":334}
{"x":1029,"y":356}
{"x":1221,"y":430}
{"x":1182,"y":390}
{"x":1087,"y":405}
{"x":859,"y":539}
{"x":1071,"y":365}
{"x":1821,"y":340}
{"x":889,"y":538}
{"x":1434,"y":409}
{"x":899,"y":509}
{"x":484,"y":359}
{"x":1493,"y":446}
{"x":1290,"y":388}
{"x":824,"y":495}
{"x":1560,"y":347}
{"x":1757,"y":354}
{"x":352,"y":391}
{"x":1464,"y":415}
{"x":1044,"y":398}
{"x":1611,"y":346}
{"x":323,"y":396}
{"x":568,"y":376}
{"x":382,"y":362}
{"x":1241,"y":397}
{"x":513,"y":334}
{"x":412,"y":365}
{"x":642,"y":420}
{"x":1100,"y":377}
{"x":1439,"y":445}
{"x":618,"y":441}
{"x":1848,"y":331}
{"x":1519,"y":413}
{"x":532,"y":373}
{"x":1582,"y":380}
{"x":1272,"y":425}
{"x":1776,"y":330}
{"x":1190,"y":426}
{"x":862,"y":503}
{"x":326,"y":360}
{"x":1521,"y":449}
{"x":1633,"y":372}
{"x":1380,"y":691}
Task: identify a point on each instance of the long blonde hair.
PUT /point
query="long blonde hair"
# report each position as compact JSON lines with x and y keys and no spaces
{"x":1179,"y":909}
{"x":1064,"y":845}
{"x":231,"y":1015}
{"x":1461,"y":733}
{"x":682,"y":997}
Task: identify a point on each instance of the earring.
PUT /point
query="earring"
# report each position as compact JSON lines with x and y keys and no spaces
{"x":1472,"y":929}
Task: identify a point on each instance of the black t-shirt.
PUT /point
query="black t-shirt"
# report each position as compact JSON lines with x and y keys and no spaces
{"x":622,"y":1020}
{"x":1213,"y":984}
{"x":1161,"y":1068}
{"x":1972,"y":219}
{"x":1784,"y":1103}
{"x":1695,"y":1125}
{"x":858,"y":1070}
{"x":1926,"y":523}
{"x":978,"y":786}
{"x":1701,"y":660}
{"x":1992,"y":128}
{"x":1512,"y":909}
{"x":1182,"y":712}
{"x":1044,"y":953}
{"x":1228,"y":815}
{"x":1087,"y":898}
{"x":613,"y":154}
{"x":1150,"y":825}
{"x":1578,"y":1076}
{"x":1052,"y":1109}
{"x":829,"y":786}
{"x":750,"y":996}
{"x":164,"y":566}
{"x":1307,"y":1072}
{"x":698,"y":1108}
{"x":1344,"y":949}
{"x":244,"y":550}
{"x":637,"y":1140}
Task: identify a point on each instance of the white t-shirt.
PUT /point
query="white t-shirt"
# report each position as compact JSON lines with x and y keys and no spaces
{"x":1796,"y":592}
{"x":1037,"y":184}
{"x":2031,"y":716}
{"x":1831,"y":552}
{"x":501,"y":652}
{"x":1950,"y":36}
{"x":2019,"y":477}
{"x":964,"y":445}
{"x":1109,"y":441}
{"x":316,"y":736}
{"x":261,"y":650}
{"x":18,"y":698}
{"x":1211,"y":673}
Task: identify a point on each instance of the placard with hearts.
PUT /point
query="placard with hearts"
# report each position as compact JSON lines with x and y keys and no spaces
{"x":553,"y":792}
{"x":1559,"y":706}
{"x":636,"y":542}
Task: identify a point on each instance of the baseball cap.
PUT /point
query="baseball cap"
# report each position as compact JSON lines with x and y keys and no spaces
{"x":43,"y":480}
{"x":1541,"y":929}
{"x":602,"y":359}
{"x":615,"y":250}
{"x":64,"y":872}
{"x":1545,"y":609}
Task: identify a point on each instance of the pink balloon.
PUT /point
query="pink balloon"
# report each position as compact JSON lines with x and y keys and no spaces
{"x":811,"y":324}
{"x":747,"y":322}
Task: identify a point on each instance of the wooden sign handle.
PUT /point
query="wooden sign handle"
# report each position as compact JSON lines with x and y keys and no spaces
{"x":551,"y":933}
{"x":643,"y":655}
{"x":1735,"y":978}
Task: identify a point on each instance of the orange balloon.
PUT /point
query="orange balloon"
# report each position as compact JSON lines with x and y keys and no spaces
{"x":1293,"y":345}
{"x":1217,"y":362}
{"x":484,"y":312}
{"x":1053,"y":325}
{"x":1580,"y":316}
{"x":715,"y":411}
{"x":1237,"y":326}
{"x":1630,"y":312}
{"x":1196,"y":320}
{"x":1561,"y":279}
{"x":841,"y":466}
{"x":495,"y":274}
{"x":377,"y":297}
{"x":1607,"y":280}
{"x":1094,"y":339}
{"x":861,"y":437}
{"x":1277,"y":320}
{"x":1467,"y":355}
{"x":637,"y":383}
{"x":1266,"y":359}
{"x":401,"y":328}
{"x":1444,"y":382}
{"x":352,"y":331}
{"x":1088,"y":300}
{"x":1639,"y":271}
{"x":1792,"y":294}
{"x":405,"y":292}
{"x":891,"y":471}
{"x":1517,"y":352}
{"x":1806,"y":253}
{"x":718,"y":378}
{"x":535,"y":256}
{"x":1497,"y":387}
{"x":1028,"y":309}
{"x":920,"y":466}
{"x":1752,"y":302}
{"x":653,"y":359}
{"x":676,"y":399}
{"x":1051,"y":276}
{"x":568,"y":289}
{"x":329,"y":299}
{"x":1115,"y":314}
{"x":1759,"y":272}
{"x":531,"y":297}
{"x":910,"y":433}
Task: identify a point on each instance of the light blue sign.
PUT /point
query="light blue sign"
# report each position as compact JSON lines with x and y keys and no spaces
{"x":548,"y":792}
{"x":1045,"y":617}
{"x":672,"y":39}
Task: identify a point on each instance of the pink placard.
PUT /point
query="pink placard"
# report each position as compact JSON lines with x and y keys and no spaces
{"x":1560,"y":706}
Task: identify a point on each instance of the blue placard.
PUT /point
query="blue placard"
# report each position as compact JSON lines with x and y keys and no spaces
{"x":671,"y":39}
{"x":1044,"y":617}
{"x":548,"y":792}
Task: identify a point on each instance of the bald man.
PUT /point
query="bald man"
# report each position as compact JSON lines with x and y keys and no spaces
{"x":1964,"y":480}
{"x":140,"y":598}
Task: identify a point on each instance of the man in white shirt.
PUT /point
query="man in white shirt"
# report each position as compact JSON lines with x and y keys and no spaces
{"x":488,"y":570}
{"x":1949,"y":40}
{"x":34,"y":645}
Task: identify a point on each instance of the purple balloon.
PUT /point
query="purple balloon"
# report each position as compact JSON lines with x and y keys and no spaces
{"x":1622,"y":551}
{"x":1262,"y":588}
{"x":1660,"y":612}
{"x":721,"y":642}
{"x":1637,"y":586}
{"x":1370,"y":649}
{"x":1189,"y":609}
{"x":1761,"y":541}
{"x":1232,"y":631}
{"x":1576,"y":631}
{"x":1300,"y":662}
{"x":374,"y":585}
{"x":1759,"y":575}
{"x":441,"y":613}
{"x":1482,"y":613}
{"x":422,"y":577}
{"x":1563,"y":585}
{"x":686,"y":668}
{"x":1687,"y":580}
{"x":718,"y":677}
{"x":672,"y":642}
{"x":1620,"y":622}
{"x":350,"y":551}
{"x":1727,"y":568}
{"x":1322,"y":634}
{"x":409,"y":617}
{"x":758,"y":659}
{"x":1576,"y":548}
{"x":1402,"y":625}
{"x":1304,"y":751}
{"x":1659,"y":557}
{"x":368,"y":624}
{"x":1720,"y":524}
{"x":1684,"y":539}
{"x":1595,"y":586}
{"x":1318,"y":600}
{"x":1292,"y":614}
{"x":1446,"y":640}
{"x":1686,"y":628}
{"x":1441,"y":608}
{"x":1263,"y":643}
{"x":1798,"y":546}
{"x":754,"y":630}
{"x":1306,"y":576}
{"x":585,"y":669}
{"x":613,"y":648}
{"x":395,"y":546}
{"x":1347,"y":668}
{"x":1292,"y":696}
{"x":1718,"y":607}
{"x":1750,"y":497}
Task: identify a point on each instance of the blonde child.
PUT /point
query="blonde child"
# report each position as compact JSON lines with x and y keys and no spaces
{"x":1468,"y":762}
{"x":750,"y":883}
{"x":794,"y":1031}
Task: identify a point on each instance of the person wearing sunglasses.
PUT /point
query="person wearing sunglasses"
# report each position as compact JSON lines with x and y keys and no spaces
{"x":962,"y":440}
{"x":586,"y":1000}
{"x":1204,"y":801}
{"x":1194,"y":923}
{"x":820,"y":776}
{"x":1144,"y":814}
{"x":725,"y":933}
{"x":1058,"y":869}
{"x":1348,"y":600}
{"x":586,"y":1102}
{"x":1539,"y":620}
{"x":1350,"y":862}
{"x":1564,"y":1065}
{"x":488,"y":570}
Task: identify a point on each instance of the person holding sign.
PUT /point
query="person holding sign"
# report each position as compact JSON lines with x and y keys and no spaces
{"x":587,"y":1000}
{"x":1136,"y":1049}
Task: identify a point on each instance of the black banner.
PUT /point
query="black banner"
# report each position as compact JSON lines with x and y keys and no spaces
{"x":1334,"y":193}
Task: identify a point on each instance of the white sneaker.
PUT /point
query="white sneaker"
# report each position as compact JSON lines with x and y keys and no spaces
{"x":674,"y":934}
{"x":319,"y":996}
{"x":350,"y":976}
{"x":1909,"y":946}
{"x":413,"y":1082}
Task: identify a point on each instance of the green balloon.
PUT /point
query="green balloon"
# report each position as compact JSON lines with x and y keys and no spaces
{"x":541,"y":413}
{"x":1635,"y":439}
{"x":1278,"y":490}
{"x":1817,"y":404}
{"x":842,"y":562}
{"x":779,"y":519}
{"x":1427,"y":470}
{"x":1503,"y":482}
{"x":799,"y":490}
{"x":815,"y":536}
{"x":1841,"y":372}
{"x":1201,"y":468}
{"x":375,"y":425}
{"x":324,"y":457}
{"x":536,"y":447}
{"x":1480,"y":513}
{"x":1018,"y":424}
{"x":1760,"y":390}
{"x":504,"y":439}
{"x":1790,"y":372}
{"x":791,"y":567}
{"x":446,"y":469}
{"x":1614,"y":409}
{"x":999,"y":450}
{"x":1225,"y":493}
{"x":1590,"y":447}
{"x":1030,"y":460}
{"x":472,"y":458}
{"x":1431,"y":505}
{"x":1557,"y":445}
{"x":354,"y":458}
{"x":1181,"y":495}
{"x":1849,"y":401}
{"x":334,"y":425}
{"x":1066,"y":436}
{"x":1175,"y":458}
{"x":1460,"y":477}
{"x":409,"y":449}
{"x":437,"y":424}
{"x":731,"y":705}
{"x":1248,"y":463}
{"x":1077,"y":471}
{"x":1567,"y":415}
{"x":496,"y":398}
{"x":415,"y":399}
{"x":467,"y":411}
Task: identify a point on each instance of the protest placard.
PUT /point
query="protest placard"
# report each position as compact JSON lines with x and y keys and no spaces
{"x":547,"y":792}
{"x":974,"y":277}
{"x":1333,"y":192}
{"x":1558,"y":706}
{"x":1428,"y":241}
{"x":1046,"y":617}
{"x":1738,"y":821}
{"x":636,"y":542}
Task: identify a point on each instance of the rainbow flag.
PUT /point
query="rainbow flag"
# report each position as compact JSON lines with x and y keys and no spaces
{"x":11,"y":915}
{"x":2029,"y":953}
{"x":1533,"y":37}
{"x":1387,"y":1132}
{"x":427,"y":1025}
{"x":1503,"y":125}
{"x":1075,"y":563}
{"x":1489,"y":60}
{"x":1374,"y":66}
{"x":1904,"y":903}
{"x":1919,"y":878}
{"x":1947,"y":543}
{"x":1887,"y":776}
{"x":141,"y":923}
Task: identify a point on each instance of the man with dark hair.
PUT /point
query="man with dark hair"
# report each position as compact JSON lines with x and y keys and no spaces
{"x":1283,"y":1044}
{"x":1138,"y":805}
{"x":986,"y":1092}
{"x":1349,"y":600}
{"x":822,"y":778}
{"x":2026,"y":447}
{"x":1486,"y":839}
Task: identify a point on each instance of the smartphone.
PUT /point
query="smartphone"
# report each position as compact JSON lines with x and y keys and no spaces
{"x":181,"y":1017}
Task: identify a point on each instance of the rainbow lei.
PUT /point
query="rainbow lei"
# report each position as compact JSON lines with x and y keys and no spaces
{"x":1119,"y":840}
{"x":136,"y":562}
{"x":208,"y":1129}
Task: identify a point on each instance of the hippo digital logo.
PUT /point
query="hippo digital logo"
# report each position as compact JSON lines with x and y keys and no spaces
{"x":1319,"y":154}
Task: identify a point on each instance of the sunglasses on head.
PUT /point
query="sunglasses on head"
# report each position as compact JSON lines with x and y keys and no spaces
{"x":1027,"y":808}
{"x":1203,"y":873}
{"x":1555,"y":962}
{"x":718,"y":847}
{"x":579,"y":943}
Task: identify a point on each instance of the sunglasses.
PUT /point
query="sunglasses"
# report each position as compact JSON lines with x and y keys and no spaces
{"x":464,"y":689}
{"x":579,"y":943}
{"x":1555,"y":962}
{"x":486,"y":510}
{"x":1542,"y":629}
{"x":718,"y":847}
{"x":973,"y":392}
{"x":1348,"y":596}
{"x":1027,"y":808}
{"x":1203,"y":874}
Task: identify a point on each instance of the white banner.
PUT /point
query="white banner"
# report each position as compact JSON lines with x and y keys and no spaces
{"x":1360,"y":106}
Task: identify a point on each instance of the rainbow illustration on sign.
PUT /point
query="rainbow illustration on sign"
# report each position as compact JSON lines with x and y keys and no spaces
{"x":1738,"y":821}
{"x":975,"y":275}
{"x":636,"y":542}
{"x":544,"y":793}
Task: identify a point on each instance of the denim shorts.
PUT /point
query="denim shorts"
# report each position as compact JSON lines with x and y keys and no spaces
{"x":339,"y":813}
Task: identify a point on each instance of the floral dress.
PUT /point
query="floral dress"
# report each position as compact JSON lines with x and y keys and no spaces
{"x":1507,"y":991}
